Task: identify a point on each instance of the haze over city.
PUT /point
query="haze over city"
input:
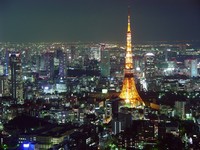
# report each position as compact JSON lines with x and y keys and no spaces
{"x":98,"y":20}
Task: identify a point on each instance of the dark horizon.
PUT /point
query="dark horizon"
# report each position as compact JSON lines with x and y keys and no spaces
{"x":98,"y":21}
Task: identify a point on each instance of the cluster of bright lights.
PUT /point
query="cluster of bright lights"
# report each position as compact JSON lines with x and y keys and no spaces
{"x":169,"y":69}
{"x":127,"y":101}
{"x":27,"y":145}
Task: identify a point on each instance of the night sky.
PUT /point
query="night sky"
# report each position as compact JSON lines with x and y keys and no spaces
{"x":98,"y":20}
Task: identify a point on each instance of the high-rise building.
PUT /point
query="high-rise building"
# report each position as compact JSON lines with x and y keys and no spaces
{"x":122,"y":122}
{"x":6,"y":63}
{"x":192,"y":65}
{"x":129,"y":92}
{"x":16,"y":78}
{"x":73,"y":54}
{"x":4,"y":86}
{"x":95,"y":53}
{"x":149,"y":65}
{"x":1,"y":70}
{"x":193,"y":68}
{"x":37,"y":62}
{"x":49,"y":63}
{"x":105,"y":62}
{"x":180,"y":109}
{"x":62,"y":57}
{"x":149,"y":71}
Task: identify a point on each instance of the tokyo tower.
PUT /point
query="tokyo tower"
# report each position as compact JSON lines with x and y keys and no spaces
{"x":129,"y":92}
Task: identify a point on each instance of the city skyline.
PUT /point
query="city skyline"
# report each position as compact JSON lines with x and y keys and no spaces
{"x":86,"y":95}
{"x":98,"y":21}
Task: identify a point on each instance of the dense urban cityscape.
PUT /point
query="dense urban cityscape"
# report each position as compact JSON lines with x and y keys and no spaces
{"x":58,"y":94}
{"x":100,"y":95}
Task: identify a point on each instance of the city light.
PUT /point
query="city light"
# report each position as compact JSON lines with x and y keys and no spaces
{"x":70,"y":81}
{"x":26,"y":145}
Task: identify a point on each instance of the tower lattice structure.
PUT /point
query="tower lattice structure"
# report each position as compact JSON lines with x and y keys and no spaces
{"x":129,"y":91}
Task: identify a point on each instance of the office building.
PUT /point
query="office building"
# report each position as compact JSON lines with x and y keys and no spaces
{"x":16,"y":78}
{"x":105,"y":62}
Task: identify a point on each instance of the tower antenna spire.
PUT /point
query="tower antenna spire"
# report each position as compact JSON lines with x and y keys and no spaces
{"x":129,"y":20}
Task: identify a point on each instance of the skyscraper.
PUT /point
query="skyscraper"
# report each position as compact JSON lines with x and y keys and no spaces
{"x":6,"y":62}
{"x":149,"y":71}
{"x":105,"y":62}
{"x":4,"y":86}
{"x":49,"y":64}
{"x":129,"y":92}
{"x":192,"y":65}
{"x":16,"y":78}
{"x":149,"y":65}
{"x":62,"y":63}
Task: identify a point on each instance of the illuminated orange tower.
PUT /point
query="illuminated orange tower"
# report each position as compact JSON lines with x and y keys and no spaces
{"x":129,"y":92}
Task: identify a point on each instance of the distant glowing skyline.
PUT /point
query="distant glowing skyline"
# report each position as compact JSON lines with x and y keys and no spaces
{"x":98,"y":20}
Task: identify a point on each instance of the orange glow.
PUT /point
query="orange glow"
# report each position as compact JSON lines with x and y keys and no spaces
{"x":129,"y":92}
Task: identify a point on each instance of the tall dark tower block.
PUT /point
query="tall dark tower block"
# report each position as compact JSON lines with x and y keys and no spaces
{"x":16,"y":77}
{"x":105,"y":62}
